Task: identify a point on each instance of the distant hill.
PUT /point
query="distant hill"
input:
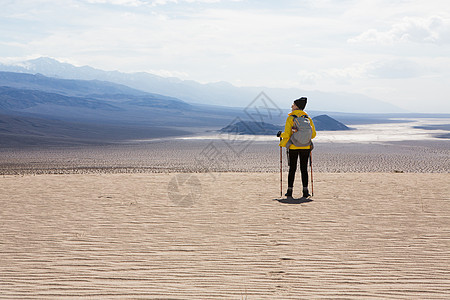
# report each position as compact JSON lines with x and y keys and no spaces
{"x":321,"y":123}
{"x":218,"y":93}
{"x":325,"y":122}
{"x":19,"y":99}
{"x":250,"y":127}
{"x":19,"y":131}
{"x":82,"y":100}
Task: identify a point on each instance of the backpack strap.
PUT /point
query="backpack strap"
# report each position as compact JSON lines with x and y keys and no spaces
{"x":302,"y":116}
{"x":294,"y":117}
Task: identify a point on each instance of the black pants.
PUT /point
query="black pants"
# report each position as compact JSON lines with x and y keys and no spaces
{"x":294,"y":154}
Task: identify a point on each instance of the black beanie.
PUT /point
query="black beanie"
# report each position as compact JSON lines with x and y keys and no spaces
{"x":300,"y":103}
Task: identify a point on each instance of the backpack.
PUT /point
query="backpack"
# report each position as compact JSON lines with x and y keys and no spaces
{"x":302,"y":136}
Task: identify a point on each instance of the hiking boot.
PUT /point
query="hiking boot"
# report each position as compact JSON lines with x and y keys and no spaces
{"x":289,"y":192}
{"x":306,"y":193}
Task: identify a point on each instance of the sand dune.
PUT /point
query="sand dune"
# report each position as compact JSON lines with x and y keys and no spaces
{"x":224,"y":236}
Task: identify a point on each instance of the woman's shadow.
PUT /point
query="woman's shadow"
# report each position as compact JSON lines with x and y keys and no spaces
{"x":291,"y":200}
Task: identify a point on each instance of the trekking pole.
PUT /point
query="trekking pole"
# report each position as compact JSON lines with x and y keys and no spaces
{"x":281,"y":171}
{"x":312,"y":178}
{"x":281,"y":165}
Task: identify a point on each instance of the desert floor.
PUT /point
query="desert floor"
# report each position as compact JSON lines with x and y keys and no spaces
{"x":430,"y":156}
{"x":76,"y":225}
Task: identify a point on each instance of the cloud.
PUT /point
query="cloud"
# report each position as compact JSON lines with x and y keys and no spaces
{"x":118,"y":2}
{"x":136,"y":3}
{"x":434,"y":30}
{"x":394,"y":68}
{"x":397,"y":68}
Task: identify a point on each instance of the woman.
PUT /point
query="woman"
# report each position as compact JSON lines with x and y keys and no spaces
{"x":294,"y":152}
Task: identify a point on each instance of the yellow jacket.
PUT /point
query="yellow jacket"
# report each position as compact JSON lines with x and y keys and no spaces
{"x":286,"y":135}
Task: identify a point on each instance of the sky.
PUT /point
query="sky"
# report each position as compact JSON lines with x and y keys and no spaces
{"x":397,"y":51}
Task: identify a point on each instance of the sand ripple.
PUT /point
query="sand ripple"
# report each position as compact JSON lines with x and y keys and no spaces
{"x":123,"y":236}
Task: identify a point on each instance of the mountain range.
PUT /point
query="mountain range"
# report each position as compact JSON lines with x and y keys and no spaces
{"x":39,"y":109}
{"x":218,"y":93}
